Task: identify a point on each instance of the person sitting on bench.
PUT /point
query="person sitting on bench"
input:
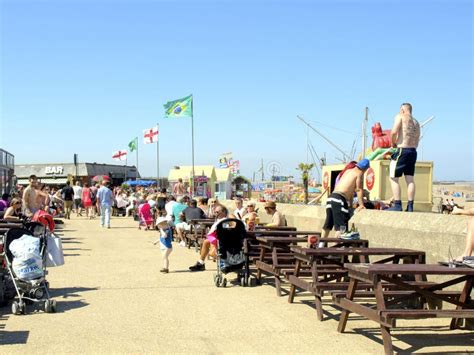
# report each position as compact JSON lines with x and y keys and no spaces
{"x":211,"y":240}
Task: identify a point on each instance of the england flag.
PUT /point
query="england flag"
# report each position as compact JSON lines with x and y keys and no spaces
{"x":120,"y":155}
{"x":150,"y":135}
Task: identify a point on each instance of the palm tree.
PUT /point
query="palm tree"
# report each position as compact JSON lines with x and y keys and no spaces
{"x":305,"y":169}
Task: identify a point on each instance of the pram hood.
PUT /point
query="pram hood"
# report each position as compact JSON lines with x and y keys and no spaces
{"x":231,"y":234}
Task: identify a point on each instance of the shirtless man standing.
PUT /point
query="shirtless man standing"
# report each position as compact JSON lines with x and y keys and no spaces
{"x":405,"y":137}
{"x":337,"y":206}
{"x":179,"y":189}
{"x":30,"y":205}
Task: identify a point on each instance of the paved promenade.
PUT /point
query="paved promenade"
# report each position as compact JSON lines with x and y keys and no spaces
{"x":112,"y":299}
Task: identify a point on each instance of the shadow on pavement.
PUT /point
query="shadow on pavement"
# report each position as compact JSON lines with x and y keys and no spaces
{"x":11,"y":337}
{"x":417,"y":340}
{"x":134,"y":227}
{"x":76,"y":249}
{"x":66,"y":298}
{"x":69,"y":240}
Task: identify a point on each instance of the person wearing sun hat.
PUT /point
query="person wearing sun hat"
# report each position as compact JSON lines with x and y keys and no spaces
{"x":166,"y":234}
{"x":278,"y":219}
{"x":337,"y":206}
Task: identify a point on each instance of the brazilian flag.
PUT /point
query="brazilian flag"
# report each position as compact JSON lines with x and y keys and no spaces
{"x":179,"y":108}
{"x":133,"y":145}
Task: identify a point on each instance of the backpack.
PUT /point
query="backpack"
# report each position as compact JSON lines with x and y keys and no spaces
{"x":93,"y":195}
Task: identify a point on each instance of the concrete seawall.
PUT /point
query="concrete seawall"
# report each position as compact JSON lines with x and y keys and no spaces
{"x":431,"y":232}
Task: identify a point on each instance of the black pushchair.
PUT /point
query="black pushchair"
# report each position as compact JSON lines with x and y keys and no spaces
{"x":35,"y":290}
{"x":232,"y":253}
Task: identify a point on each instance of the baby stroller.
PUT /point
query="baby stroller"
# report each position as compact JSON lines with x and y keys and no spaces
{"x":31,"y":290}
{"x":145,"y":216}
{"x":232,"y":255}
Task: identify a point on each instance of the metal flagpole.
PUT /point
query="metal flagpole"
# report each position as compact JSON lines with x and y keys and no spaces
{"x":192,"y":142}
{"x":136,"y":177}
{"x":158,"y":156}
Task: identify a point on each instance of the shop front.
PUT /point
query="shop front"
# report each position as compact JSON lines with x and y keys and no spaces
{"x":201,"y":186}
{"x":7,"y":165}
{"x":58,"y":174}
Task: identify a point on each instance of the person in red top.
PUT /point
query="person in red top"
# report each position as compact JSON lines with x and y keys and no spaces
{"x":87,"y":201}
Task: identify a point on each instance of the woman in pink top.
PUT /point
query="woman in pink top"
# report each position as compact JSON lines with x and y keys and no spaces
{"x":86,"y":200}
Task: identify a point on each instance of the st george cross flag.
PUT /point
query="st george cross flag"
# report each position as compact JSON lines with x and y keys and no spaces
{"x":120,"y":155}
{"x":150,"y":135}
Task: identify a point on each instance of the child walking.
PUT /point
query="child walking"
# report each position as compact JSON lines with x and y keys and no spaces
{"x":166,"y":234}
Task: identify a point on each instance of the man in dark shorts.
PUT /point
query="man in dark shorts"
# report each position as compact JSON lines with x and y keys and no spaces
{"x":405,"y":137}
{"x":67,"y":195}
{"x":337,"y":206}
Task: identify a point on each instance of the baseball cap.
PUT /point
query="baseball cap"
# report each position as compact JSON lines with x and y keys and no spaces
{"x":363,"y":164}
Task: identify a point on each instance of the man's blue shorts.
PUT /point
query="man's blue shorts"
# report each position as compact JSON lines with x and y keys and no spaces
{"x":403,"y":162}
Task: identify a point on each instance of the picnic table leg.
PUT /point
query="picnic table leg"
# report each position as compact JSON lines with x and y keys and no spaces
{"x":318,"y":303}
{"x":261,"y":257}
{"x":345,"y":313}
{"x":319,"y":307}
{"x":466,"y":291}
{"x":386,"y":337}
{"x":277,"y":278}
{"x":291,"y":296}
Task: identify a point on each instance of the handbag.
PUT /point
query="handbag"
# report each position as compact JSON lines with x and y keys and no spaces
{"x":54,"y":252}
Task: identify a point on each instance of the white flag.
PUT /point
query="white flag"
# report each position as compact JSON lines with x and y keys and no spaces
{"x":150,"y":135}
{"x":120,"y":155}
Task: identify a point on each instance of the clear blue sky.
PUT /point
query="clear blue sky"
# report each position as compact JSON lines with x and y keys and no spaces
{"x":87,"y":76}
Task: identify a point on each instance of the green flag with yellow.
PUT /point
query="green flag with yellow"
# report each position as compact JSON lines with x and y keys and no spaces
{"x":179,"y":108}
{"x":133,"y":145}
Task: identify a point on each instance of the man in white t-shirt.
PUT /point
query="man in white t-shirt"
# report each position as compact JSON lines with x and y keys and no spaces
{"x":78,"y":198}
{"x":169,"y":210}
{"x":239,"y":211}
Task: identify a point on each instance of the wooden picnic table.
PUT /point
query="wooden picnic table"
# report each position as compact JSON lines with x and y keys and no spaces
{"x":378,"y":274}
{"x":277,"y":228}
{"x":328,"y":270}
{"x":276,"y":258}
{"x":275,"y":255}
{"x":197,"y":232}
{"x":6,"y":226}
{"x":281,"y":233}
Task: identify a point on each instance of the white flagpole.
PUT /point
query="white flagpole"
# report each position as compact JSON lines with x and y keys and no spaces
{"x":136,"y":175}
{"x":158,"y":157}
{"x":192,"y":142}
